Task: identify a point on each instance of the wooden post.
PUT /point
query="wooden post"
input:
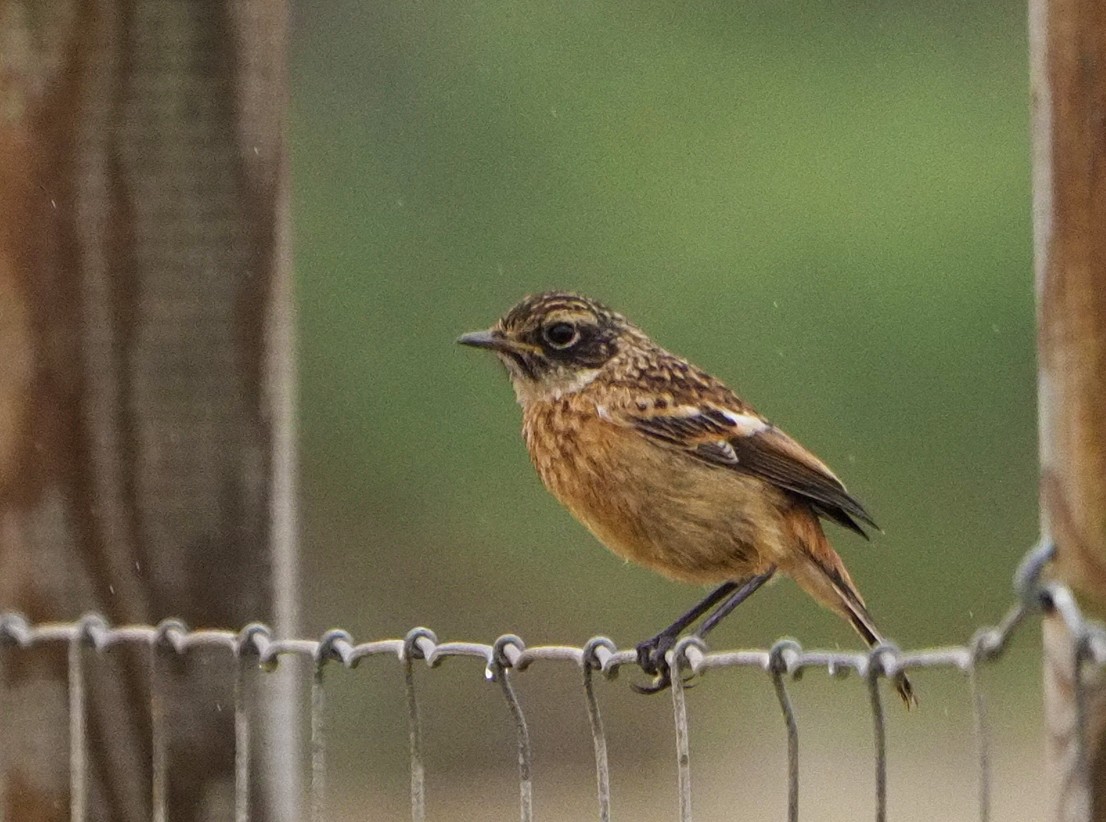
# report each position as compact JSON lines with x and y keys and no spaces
{"x":1068,"y":75}
{"x":145,"y":380}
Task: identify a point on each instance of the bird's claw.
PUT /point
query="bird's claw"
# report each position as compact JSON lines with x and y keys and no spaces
{"x":652,"y":657}
{"x":661,"y":681}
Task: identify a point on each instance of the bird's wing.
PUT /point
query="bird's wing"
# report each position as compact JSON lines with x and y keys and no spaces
{"x":741,"y":440}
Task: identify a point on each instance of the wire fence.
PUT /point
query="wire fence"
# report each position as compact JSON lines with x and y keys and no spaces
{"x":255,"y":646}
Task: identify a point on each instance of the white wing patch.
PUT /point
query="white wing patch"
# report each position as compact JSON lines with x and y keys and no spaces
{"x":745,"y":424}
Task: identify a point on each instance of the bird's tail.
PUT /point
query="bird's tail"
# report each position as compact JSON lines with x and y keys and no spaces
{"x":824,"y":577}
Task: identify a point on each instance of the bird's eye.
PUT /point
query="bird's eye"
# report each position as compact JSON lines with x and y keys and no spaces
{"x":560,"y":335}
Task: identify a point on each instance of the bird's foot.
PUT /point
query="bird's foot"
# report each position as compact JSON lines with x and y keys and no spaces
{"x":652,"y":658}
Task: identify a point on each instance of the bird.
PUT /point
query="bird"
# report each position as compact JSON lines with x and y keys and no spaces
{"x":668,"y":468}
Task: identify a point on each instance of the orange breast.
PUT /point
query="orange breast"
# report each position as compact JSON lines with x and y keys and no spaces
{"x":651,"y":504}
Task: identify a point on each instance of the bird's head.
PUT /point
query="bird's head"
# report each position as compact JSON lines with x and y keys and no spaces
{"x":554,"y":343}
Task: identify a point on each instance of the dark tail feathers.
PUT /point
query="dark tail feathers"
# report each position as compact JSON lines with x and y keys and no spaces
{"x":854,"y":610}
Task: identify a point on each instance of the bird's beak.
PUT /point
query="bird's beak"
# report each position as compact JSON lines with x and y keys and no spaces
{"x":490,"y":339}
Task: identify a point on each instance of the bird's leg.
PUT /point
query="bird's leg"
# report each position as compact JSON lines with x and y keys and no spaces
{"x":747,"y":589}
{"x":650,"y":653}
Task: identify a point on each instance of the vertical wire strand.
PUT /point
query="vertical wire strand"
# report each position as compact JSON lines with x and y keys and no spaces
{"x":5,"y":720}
{"x":683,"y":745}
{"x":880,"y":732}
{"x":242,"y":741}
{"x":599,"y":744}
{"x":78,"y":762}
{"x":159,"y":765}
{"x":318,"y":745}
{"x":525,"y":782}
{"x":1082,"y":760}
{"x":414,"y":744}
{"x":792,"y":746}
{"x":982,"y":740}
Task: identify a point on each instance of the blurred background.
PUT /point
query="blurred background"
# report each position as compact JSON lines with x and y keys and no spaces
{"x":824,"y":203}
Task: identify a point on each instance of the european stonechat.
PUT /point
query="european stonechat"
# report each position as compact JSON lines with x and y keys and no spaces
{"x":668,"y":467}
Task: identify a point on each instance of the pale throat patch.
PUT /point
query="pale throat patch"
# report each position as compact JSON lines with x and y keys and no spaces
{"x":553,"y":386}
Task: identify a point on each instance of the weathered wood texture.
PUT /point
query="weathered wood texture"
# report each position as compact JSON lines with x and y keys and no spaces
{"x":1068,"y":74}
{"x":145,"y":377}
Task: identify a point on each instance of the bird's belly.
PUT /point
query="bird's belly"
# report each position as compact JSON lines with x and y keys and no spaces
{"x":662,"y":509}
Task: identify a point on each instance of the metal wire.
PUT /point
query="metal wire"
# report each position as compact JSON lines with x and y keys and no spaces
{"x":983,"y":744}
{"x":879,"y":726}
{"x":411,"y":652}
{"x":591,"y":663}
{"x":159,"y":762}
{"x":323,"y":654}
{"x":777,"y":667}
{"x":78,"y":777}
{"x":242,"y":744}
{"x":683,"y":743}
{"x":505,"y":655}
{"x":254,"y":649}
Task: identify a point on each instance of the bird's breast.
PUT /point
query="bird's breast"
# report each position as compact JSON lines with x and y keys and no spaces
{"x":650,"y":504}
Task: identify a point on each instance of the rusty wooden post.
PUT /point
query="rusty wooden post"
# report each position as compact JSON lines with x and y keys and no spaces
{"x":145,"y":379}
{"x":1068,"y":76}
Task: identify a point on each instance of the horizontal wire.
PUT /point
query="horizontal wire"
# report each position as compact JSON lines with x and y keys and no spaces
{"x":15,"y":630}
{"x":93,"y":631}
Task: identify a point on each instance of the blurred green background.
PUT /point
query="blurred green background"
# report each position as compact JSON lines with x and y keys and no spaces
{"x":824,"y":203}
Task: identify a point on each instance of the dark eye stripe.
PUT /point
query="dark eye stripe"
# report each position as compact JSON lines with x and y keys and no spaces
{"x":523,"y":362}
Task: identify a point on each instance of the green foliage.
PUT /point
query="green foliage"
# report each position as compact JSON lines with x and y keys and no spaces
{"x":826,"y":204}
